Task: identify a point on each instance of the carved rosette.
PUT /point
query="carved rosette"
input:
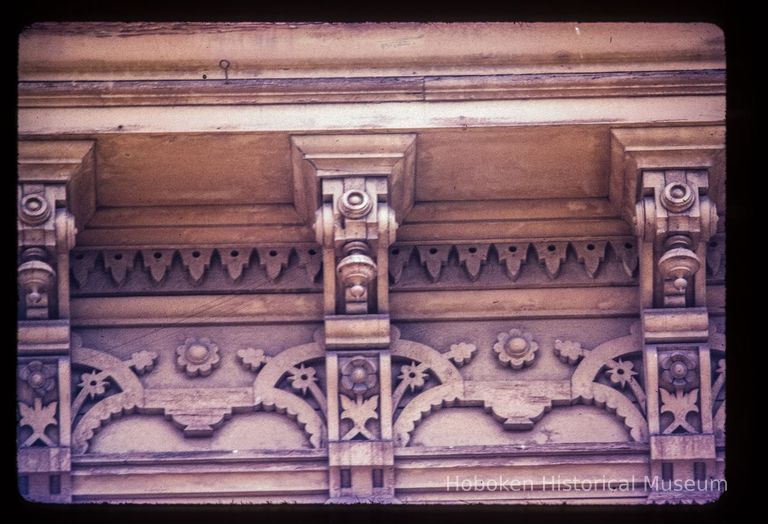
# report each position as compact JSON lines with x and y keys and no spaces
{"x":197,"y":357}
{"x":358,"y":376}
{"x":39,"y":377}
{"x":34,"y":209}
{"x":678,"y":370}
{"x":516,"y":348}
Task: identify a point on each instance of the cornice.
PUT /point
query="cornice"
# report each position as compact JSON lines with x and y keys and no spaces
{"x":102,"y":93}
{"x":146,"y":51}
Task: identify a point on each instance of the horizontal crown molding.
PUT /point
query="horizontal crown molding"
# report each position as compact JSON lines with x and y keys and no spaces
{"x":155,"y":51}
{"x":90,"y":93}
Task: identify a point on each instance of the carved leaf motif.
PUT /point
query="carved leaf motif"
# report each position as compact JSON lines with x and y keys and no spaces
{"x":626,"y":250}
{"x":274,"y":260}
{"x":590,"y":253}
{"x":235,"y":260}
{"x":38,"y":418}
{"x":359,"y":412}
{"x":82,"y":263}
{"x":434,"y":258}
{"x":157,"y":261}
{"x":513,"y":256}
{"x":118,"y":263}
{"x":552,"y":255}
{"x":196,"y":261}
{"x":679,"y":404}
{"x":311,"y":259}
{"x":473,"y":257}
{"x":398,"y":259}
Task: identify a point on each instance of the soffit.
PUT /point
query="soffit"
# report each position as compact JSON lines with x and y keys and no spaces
{"x":451,"y":165}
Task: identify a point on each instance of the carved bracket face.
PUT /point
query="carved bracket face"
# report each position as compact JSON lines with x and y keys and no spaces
{"x":673,"y":219}
{"x":670,"y":185}
{"x":55,"y":192}
{"x":391,"y":156}
{"x":353,"y":189}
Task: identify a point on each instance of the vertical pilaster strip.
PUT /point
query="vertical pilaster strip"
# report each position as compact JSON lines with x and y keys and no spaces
{"x":352,"y":178}
{"x":674,"y":219}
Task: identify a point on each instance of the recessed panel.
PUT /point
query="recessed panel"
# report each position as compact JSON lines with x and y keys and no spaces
{"x":513,"y":163}
{"x":193,"y":169}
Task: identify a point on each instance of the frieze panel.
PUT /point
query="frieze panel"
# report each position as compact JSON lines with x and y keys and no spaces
{"x":106,"y":387}
{"x":180,"y":381}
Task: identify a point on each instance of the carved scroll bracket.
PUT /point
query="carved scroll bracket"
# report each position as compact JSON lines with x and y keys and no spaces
{"x":674,"y":178}
{"x":353,"y":189}
{"x":55,"y":195}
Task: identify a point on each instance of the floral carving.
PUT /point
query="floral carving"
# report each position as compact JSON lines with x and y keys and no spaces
{"x":568,"y":351}
{"x":679,"y":371}
{"x":38,"y":418}
{"x":679,"y":404}
{"x":252,"y":359}
{"x":358,"y":376}
{"x":302,"y":378}
{"x":93,"y":384}
{"x":143,"y":361}
{"x":515,"y":348}
{"x":461,"y":353}
{"x":413,"y":375}
{"x":39,"y":377}
{"x":620,"y":372}
{"x":198,"y":357}
{"x":359,"y":411}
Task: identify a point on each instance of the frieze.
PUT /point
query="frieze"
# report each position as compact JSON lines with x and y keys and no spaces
{"x":518,"y":264}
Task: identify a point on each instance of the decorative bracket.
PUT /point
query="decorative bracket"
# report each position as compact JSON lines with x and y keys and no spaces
{"x":673,"y":187}
{"x":56,"y":195}
{"x":674,"y":220}
{"x":353,"y":189}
